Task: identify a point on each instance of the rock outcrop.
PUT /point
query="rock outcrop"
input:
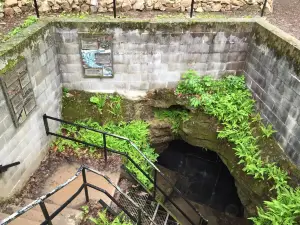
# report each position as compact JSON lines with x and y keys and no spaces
{"x":46,"y":6}
{"x":201,"y":130}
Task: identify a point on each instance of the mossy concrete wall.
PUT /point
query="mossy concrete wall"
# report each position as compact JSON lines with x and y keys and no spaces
{"x":28,"y":143}
{"x":154,"y":55}
{"x":273,"y":75}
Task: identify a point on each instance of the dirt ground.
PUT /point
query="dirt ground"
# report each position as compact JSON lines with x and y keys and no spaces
{"x":285,"y":16}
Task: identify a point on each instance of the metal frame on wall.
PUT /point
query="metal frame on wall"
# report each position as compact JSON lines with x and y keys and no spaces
{"x":18,"y":92}
{"x":93,"y":46}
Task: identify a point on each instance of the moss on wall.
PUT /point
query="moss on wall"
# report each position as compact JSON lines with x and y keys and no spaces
{"x":76,"y":105}
{"x":282,"y":44}
{"x":11,"y":64}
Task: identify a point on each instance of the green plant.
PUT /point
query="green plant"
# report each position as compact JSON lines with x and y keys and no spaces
{"x":65,"y":91}
{"x":115,"y":106}
{"x":174,"y":116}
{"x":267,"y":130}
{"x":230,"y":101}
{"x":85,"y":209}
{"x":28,"y":21}
{"x":137,"y":131}
{"x":102,"y":219}
{"x":99,"y":100}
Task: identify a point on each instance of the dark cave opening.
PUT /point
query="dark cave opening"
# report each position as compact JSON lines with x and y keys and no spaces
{"x":202,"y":177}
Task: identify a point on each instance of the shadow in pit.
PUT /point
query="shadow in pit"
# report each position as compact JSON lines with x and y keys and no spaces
{"x":204,"y":180}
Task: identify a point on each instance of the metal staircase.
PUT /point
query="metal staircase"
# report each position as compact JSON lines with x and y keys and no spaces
{"x":163,"y":205}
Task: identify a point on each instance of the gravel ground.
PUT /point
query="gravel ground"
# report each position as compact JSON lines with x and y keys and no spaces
{"x":286,"y":16}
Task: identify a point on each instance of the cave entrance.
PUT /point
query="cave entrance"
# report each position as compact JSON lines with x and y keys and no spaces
{"x":202,"y":177}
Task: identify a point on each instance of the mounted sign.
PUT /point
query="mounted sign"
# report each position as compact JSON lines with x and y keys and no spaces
{"x":18,"y":91}
{"x":96,"y":54}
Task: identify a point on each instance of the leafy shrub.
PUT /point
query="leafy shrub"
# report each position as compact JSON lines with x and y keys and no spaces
{"x":174,"y":116}
{"x":267,"y":130}
{"x":99,"y":100}
{"x":230,"y":101}
{"x":102,"y":219}
{"x":115,"y":106}
{"x":137,"y":131}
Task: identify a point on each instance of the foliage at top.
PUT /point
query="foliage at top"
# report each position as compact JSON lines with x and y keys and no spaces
{"x":230,"y":101}
{"x":102,"y":219}
{"x":137,"y":131}
{"x":29,"y":21}
{"x":174,"y":116}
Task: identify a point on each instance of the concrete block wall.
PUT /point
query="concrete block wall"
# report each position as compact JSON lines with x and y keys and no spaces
{"x":28,"y":143}
{"x":144,"y":60}
{"x":275,"y":83}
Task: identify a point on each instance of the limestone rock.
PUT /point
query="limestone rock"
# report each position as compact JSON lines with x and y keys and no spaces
{"x":126,"y":6}
{"x":94,"y":9}
{"x":9,"y":12}
{"x":75,"y":7}
{"x":199,"y":10}
{"x":51,"y":3}
{"x":10,"y":3}
{"x":66,"y":6}
{"x":225,"y":2}
{"x":85,"y":8}
{"x":55,"y":8}
{"x":102,"y":9}
{"x":1,"y":7}
{"x":70,"y":1}
{"x":185,"y":3}
{"x":237,"y":2}
{"x":17,"y":10}
{"x":1,"y":15}
{"x":250,"y":2}
{"x":19,"y":4}
{"x":216,"y":7}
{"x":139,"y":5}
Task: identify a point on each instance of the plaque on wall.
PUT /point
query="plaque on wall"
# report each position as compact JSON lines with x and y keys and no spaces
{"x":96,"y":54}
{"x":18,"y":91}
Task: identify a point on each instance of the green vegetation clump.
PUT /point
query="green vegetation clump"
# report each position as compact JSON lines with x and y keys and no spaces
{"x":102,"y":219}
{"x":136,"y":131}
{"x":230,"y":101}
{"x":11,"y":64}
{"x":29,"y":21}
{"x":99,"y":100}
{"x":173,"y":116}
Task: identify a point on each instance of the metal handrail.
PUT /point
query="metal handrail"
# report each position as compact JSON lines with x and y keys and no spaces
{"x":45,"y":117}
{"x":49,"y":217}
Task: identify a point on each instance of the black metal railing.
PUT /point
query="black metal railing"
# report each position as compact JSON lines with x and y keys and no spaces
{"x":49,"y":217}
{"x":156,"y":170}
{"x":6,"y":167}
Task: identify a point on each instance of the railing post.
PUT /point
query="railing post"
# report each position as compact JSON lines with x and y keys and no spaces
{"x":155,"y":181}
{"x":263,"y":8}
{"x":46,"y":124}
{"x":192,"y":8}
{"x":139,"y":219}
{"x":36,"y":9}
{"x":86,"y":192}
{"x":115,"y":8}
{"x":45,"y":213}
{"x":105,"y":149}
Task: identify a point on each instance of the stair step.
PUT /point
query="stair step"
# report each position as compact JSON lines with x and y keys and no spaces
{"x":19,"y":220}
{"x":67,"y":212}
{"x":36,"y":215}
